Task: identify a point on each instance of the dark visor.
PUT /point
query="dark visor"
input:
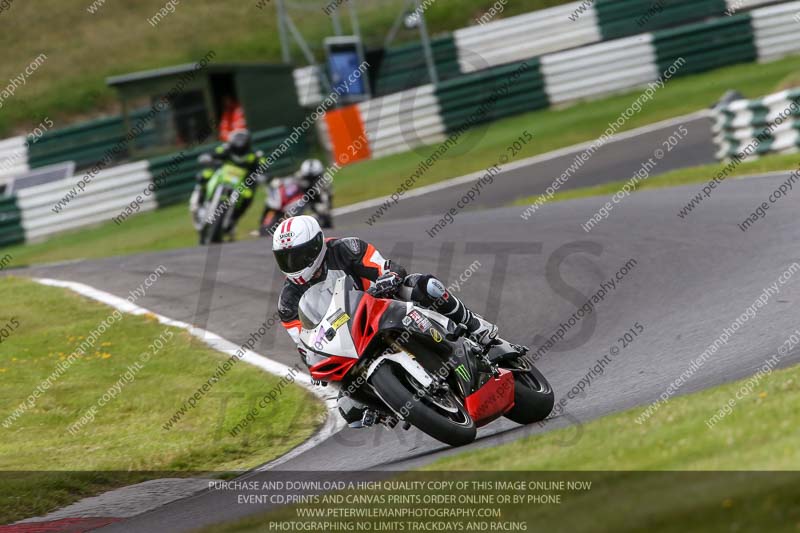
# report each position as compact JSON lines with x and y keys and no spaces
{"x":296,"y":259}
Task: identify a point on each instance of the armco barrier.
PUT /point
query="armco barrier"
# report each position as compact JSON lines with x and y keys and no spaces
{"x":401,"y":121}
{"x":777,"y":32}
{"x":404,"y":67}
{"x":11,"y":231}
{"x":109,"y":192}
{"x":13,"y":157}
{"x":89,"y":142}
{"x":751,"y":128}
{"x":30,"y":214}
{"x":707,"y":45}
{"x":492,"y":94}
{"x":424,"y":115}
{"x":555,"y":29}
{"x":620,"y":18}
{"x":600,"y":69}
{"x":525,"y":36}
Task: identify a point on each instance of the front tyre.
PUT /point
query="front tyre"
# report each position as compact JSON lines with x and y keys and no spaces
{"x":533,"y":395}
{"x":212,"y":233}
{"x":442,"y":417}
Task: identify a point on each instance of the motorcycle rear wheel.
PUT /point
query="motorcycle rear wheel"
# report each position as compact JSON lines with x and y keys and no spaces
{"x":454,"y":428}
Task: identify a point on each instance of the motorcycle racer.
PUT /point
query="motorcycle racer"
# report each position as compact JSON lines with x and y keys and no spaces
{"x":306,"y":257}
{"x":288,"y":197}
{"x":309,"y":177}
{"x":239,"y":151}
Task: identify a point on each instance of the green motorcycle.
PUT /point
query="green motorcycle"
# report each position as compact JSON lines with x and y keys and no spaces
{"x":223,"y":192}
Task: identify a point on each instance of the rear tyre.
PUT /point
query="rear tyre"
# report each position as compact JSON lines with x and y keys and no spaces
{"x":533,"y":396}
{"x":451,"y":425}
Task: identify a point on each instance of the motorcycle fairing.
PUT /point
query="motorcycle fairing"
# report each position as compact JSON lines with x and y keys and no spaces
{"x":492,"y":400}
{"x":285,"y":194}
{"x":322,"y":310}
{"x":367,"y":321}
{"x":227,"y":174}
{"x":333,"y":349}
{"x":332,"y":368}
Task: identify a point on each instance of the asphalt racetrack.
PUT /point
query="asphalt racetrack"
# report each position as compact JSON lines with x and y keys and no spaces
{"x":684,"y":281}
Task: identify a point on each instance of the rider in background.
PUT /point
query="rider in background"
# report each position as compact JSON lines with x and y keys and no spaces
{"x":309,"y":177}
{"x":239,"y":151}
{"x":305,"y":257}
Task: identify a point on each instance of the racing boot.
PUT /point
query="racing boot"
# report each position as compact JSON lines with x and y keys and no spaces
{"x":431,"y":293}
{"x":480,"y":330}
{"x":356,"y":414}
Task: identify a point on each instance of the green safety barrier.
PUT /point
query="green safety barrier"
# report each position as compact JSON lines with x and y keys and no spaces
{"x":491,"y":94}
{"x":11,"y":231}
{"x":621,"y":18}
{"x":404,"y":66}
{"x":90,"y":142}
{"x":707,"y":45}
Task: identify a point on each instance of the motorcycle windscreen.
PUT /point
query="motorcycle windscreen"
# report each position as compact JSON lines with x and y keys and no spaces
{"x":315,"y":302}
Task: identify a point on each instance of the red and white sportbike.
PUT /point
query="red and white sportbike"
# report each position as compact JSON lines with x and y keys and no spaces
{"x":399,"y":362}
{"x":286,"y":198}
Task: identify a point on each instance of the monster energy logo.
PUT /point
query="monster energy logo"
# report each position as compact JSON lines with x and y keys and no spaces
{"x":462,"y":372}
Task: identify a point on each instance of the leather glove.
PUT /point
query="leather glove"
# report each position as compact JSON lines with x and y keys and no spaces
{"x":387,"y":285}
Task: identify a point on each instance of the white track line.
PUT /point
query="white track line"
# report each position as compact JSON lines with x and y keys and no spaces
{"x":375,"y":202}
{"x":333,"y":422}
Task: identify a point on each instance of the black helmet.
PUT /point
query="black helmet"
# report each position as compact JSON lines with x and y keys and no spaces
{"x":240,"y":142}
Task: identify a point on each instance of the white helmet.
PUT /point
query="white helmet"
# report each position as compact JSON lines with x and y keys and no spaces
{"x":312,"y":168}
{"x":299,"y":248}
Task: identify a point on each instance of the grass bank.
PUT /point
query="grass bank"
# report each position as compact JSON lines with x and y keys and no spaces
{"x":120,"y":402}
{"x":87,"y":32}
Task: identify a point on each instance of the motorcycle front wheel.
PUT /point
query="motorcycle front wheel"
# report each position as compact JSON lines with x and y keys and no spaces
{"x":442,"y":416}
{"x":533,"y":395}
{"x":212,"y":232}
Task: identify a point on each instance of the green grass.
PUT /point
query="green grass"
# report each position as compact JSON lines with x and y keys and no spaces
{"x":759,"y":434}
{"x":66,"y":89}
{"x":481,"y":147}
{"x":670,"y":474}
{"x":684,"y":176}
{"x":126,"y":440}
